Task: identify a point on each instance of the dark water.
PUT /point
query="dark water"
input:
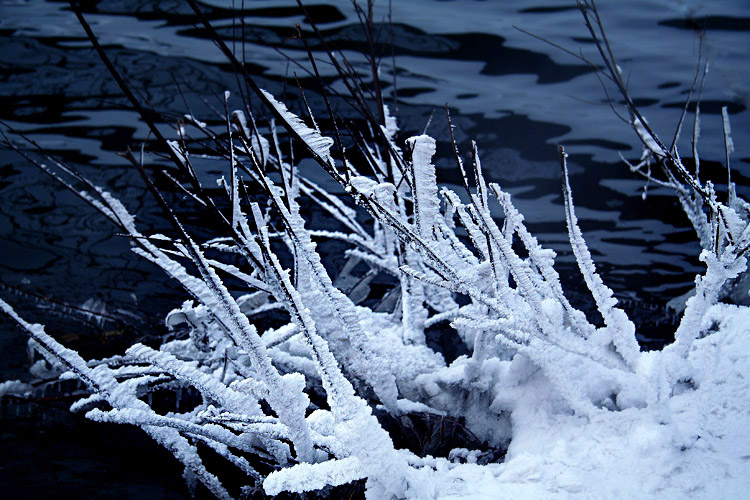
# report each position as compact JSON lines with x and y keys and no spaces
{"x":515,"y":95}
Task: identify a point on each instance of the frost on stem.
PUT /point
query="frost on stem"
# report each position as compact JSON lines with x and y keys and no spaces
{"x":619,"y":326}
{"x":308,"y":477}
{"x":119,"y":396}
{"x":318,"y":143}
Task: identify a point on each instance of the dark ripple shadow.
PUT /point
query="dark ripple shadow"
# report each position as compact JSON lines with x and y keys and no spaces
{"x":709,"y":23}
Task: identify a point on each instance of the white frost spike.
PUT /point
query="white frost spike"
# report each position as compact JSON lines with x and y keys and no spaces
{"x":728,"y":142}
{"x":195,"y":121}
{"x":481,"y":184}
{"x":426,"y":200}
{"x":84,"y":402}
{"x":205,"y":383}
{"x":649,"y":141}
{"x":259,"y":144}
{"x":308,"y":477}
{"x":426,"y":214}
{"x":622,"y":329}
{"x":315,"y":141}
{"x":696,"y":136}
{"x":235,"y":196}
{"x":261,"y":147}
{"x":50,"y":348}
{"x":236,"y":211}
{"x":391,"y":125}
{"x":413,"y":311}
{"x":241,"y":119}
{"x":177,"y":150}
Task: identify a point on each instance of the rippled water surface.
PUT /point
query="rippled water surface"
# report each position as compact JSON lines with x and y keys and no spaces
{"x":517,"y":96}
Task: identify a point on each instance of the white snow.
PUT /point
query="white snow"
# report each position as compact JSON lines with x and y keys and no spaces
{"x":703,"y":453}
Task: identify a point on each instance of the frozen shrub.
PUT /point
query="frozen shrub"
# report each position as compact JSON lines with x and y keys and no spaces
{"x":534,"y":359}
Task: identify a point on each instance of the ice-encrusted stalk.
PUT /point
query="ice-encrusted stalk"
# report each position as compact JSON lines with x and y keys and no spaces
{"x":356,"y":428}
{"x":618,"y":323}
{"x":361,"y":358}
{"x":707,"y":290}
{"x":543,"y":260}
{"x":211,"y":291}
{"x":101,"y":380}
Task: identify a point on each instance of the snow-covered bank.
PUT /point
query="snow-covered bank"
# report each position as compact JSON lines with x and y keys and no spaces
{"x":703,"y":452}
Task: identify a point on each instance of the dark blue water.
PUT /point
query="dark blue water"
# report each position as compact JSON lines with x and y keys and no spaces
{"x":517,"y":96}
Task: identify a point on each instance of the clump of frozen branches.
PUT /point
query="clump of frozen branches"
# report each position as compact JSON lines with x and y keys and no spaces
{"x":722,"y":227}
{"x":718,"y":225}
{"x":530,"y":349}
